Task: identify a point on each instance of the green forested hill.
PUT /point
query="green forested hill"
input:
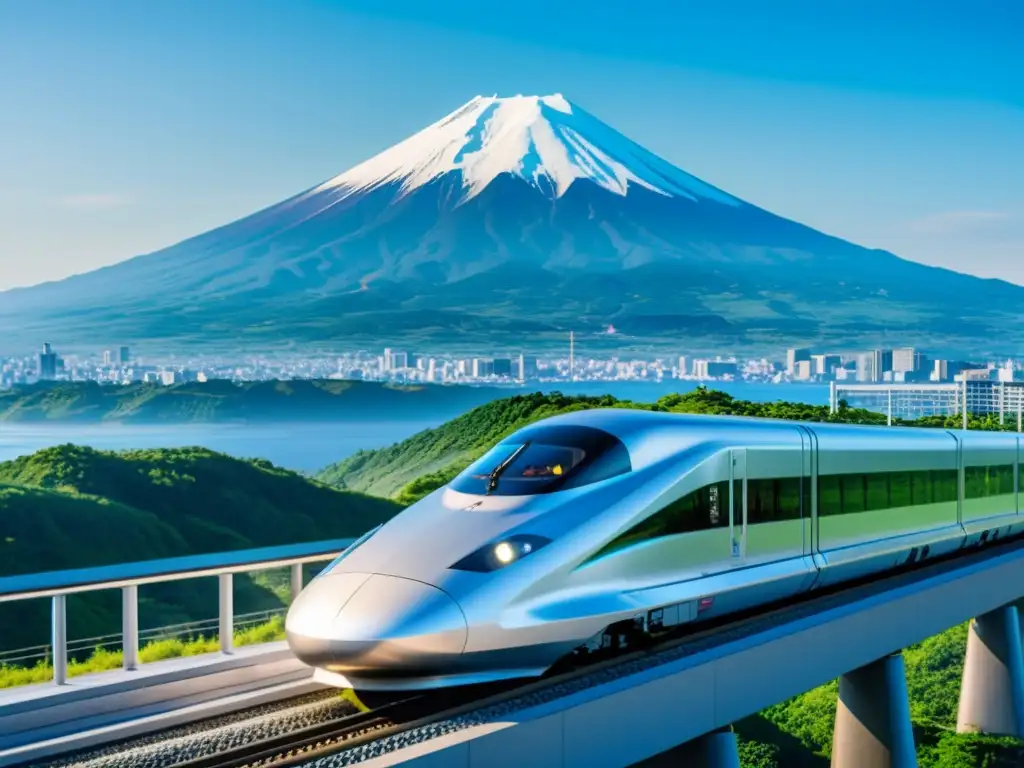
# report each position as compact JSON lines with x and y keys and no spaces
{"x":70,"y":507}
{"x":411,"y":469}
{"x":219,"y":401}
{"x":448,"y":448}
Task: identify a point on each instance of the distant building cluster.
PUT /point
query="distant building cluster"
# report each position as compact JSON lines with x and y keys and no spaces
{"x":119,"y":365}
{"x":905,"y":365}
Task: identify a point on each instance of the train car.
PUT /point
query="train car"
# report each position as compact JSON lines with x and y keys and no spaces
{"x":582,"y":522}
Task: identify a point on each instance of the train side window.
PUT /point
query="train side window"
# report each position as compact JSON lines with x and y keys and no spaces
{"x":877,"y":494}
{"x":830,"y":496}
{"x":699,"y":510}
{"x":922,"y":486}
{"x":945,"y":485}
{"x":773,"y":500}
{"x":901,"y":489}
{"x":982,"y":482}
{"x":854,"y":492}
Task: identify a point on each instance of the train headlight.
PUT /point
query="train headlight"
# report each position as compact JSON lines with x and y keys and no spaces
{"x":499,"y":554}
{"x":505,"y":553}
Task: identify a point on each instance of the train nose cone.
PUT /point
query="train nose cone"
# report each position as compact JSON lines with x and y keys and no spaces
{"x":375,"y":624}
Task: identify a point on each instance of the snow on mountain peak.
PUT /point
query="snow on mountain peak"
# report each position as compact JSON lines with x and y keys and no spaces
{"x":545,"y":140}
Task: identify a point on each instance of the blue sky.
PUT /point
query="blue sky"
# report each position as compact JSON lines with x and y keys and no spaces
{"x":127,"y":126}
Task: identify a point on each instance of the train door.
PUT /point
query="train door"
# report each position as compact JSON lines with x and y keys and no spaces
{"x":1017,"y":490}
{"x":738,"y":505}
{"x":809,"y":490}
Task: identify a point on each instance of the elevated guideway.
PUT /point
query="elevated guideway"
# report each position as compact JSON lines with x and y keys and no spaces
{"x":675,"y":704}
{"x":681,"y":701}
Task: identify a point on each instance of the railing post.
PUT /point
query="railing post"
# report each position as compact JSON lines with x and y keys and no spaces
{"x":965,"y":403}
{"x":60,"y":639}
{"x":227,"y":612}
{"x":130,"y":626}
{"x":296,"y":580}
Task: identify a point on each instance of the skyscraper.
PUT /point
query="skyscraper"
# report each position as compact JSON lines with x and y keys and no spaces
{"x":47,"y":363}
{"x":904,"y":360}
{"x":794,"y":356}
{"x":124,"y":356}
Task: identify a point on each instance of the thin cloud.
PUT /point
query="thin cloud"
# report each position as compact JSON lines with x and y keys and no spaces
{"x":94,"y":202}
{"x":949,"y":222}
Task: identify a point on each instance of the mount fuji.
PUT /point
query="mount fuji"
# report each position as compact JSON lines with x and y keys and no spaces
{"x":505,"y":224}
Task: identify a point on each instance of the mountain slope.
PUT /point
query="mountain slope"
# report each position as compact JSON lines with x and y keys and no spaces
{"x":75,"y":507}
{"x":522,"y":216}
{"x":212,"y":501}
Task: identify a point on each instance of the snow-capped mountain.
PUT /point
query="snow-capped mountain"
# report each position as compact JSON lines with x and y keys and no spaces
{"x":503,"y":224}
{"x":546,"y":141}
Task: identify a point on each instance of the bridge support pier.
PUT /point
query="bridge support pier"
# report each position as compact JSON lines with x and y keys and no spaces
{"x":992,"y":692}
{"x":873,"y":728}
{"x":718,"y":749}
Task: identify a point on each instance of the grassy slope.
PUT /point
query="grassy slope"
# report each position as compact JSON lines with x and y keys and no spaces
{"x":227,"y":401}
{"x":69,"y":507}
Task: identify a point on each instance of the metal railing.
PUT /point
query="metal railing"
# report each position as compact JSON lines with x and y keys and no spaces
{"x":127,"y":577}
{"x":23,"y":657}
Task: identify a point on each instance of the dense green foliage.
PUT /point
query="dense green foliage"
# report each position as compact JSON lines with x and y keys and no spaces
{"x":220,"y":401}
{"x":413,"y":468}
{"x":70,"y":507}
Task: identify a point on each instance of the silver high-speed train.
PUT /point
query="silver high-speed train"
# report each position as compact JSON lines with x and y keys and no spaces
{"x":584,"y":521}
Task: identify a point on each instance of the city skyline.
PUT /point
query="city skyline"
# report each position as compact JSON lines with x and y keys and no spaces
{"x":900,"y":365}
{"x":911,"y":151}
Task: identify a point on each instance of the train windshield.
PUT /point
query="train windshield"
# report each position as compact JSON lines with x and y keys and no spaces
{"x":543,"y":460}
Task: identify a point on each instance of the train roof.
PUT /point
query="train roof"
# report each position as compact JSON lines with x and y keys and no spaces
{"x":624,"y":422}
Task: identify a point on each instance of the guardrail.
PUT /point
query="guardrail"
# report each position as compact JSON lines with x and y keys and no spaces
{"x":27,"y":656}
{"x":127,"y":577}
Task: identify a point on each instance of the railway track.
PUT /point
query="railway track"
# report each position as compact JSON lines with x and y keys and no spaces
{"x":303,"y":745}
{"x":296,"y":747}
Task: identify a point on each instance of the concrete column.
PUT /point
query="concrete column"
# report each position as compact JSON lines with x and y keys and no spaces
{"x":718,"y":749}
{"x":873,"y":728}
{"x":992,"y":693}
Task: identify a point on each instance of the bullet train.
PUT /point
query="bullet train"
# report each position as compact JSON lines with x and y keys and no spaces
{"x":581,"y":522}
